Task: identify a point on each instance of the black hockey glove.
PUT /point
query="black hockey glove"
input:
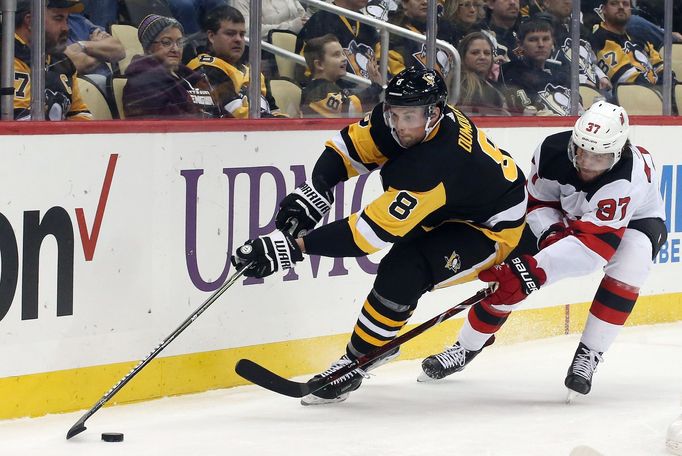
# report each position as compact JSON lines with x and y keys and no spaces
{"x":268,"y":254}
{"x":302,"y":209}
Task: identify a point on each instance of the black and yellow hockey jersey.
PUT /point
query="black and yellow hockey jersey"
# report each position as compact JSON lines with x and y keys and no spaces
{"x":404,"y":53}
{"x":359,"y":41}
{"x":625,"y":60}
{"x":455,"y":175}
{"x":323,"y":98}
{"x":230,"y":85}
{"x":62,"y":97}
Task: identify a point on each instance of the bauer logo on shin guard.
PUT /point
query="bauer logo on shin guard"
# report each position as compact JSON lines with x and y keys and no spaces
{"x":528,"y":281}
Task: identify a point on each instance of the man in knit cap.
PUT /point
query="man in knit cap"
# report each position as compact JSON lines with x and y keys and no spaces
{"x":62,"y":96}
{"x":159,"y":85}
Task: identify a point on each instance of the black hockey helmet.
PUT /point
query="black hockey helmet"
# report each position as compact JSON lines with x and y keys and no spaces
{"x":416,"y":86}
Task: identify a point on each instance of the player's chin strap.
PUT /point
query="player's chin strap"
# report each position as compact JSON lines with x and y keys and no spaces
{"x":428,"y":129}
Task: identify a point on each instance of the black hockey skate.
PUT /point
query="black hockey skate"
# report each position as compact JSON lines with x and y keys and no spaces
{"x":339,"y":390}
{"x":452,"y":360}
{"x":579,"y":375}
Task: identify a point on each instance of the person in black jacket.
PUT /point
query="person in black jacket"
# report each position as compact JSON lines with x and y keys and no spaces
{"x":158,"y":84}
{"x":538,"y":83}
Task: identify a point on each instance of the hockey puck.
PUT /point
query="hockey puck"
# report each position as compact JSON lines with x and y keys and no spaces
{"x":112,"y":437}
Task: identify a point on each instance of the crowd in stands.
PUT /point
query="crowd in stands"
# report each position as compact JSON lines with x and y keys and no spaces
{"x":190,"y":59}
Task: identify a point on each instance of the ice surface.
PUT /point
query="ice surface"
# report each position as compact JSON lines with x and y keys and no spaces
{"x":509,"y":401}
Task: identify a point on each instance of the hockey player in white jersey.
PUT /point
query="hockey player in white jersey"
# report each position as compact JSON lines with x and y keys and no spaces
{"x":594,"y":202}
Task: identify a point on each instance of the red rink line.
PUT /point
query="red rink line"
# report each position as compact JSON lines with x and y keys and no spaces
{"x":229,"y":125}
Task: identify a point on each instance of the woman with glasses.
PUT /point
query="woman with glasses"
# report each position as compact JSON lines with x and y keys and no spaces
{"x":159,"y":85}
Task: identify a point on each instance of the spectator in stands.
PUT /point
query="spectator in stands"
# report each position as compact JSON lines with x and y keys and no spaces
{"x":479,"y":95}
{"x":276,"y":15}
{"x":225,"y":30}
{"x":102,"y":12}
{"x":189,"y":12}
{"x":558,"y":13}
{"x":404,"y":52}
{"x":90,"y":48}
{"x":463,"y":15}
{"x":539,"y":84}
{"x":323,"y":97}
{"x":158,"y":84}
{"x":359,"y":41}
{"x":646,"y":23}
{"x":624,"y":60}
{"x":529,"y":8}
{"x":503,"y":23}
{"x":62,"y":96}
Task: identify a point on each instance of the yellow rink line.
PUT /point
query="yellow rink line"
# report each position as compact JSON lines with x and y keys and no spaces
{"x":76,"y":389}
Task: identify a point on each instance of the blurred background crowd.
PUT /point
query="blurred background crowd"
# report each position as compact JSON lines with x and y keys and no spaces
{"x":150,"y":59}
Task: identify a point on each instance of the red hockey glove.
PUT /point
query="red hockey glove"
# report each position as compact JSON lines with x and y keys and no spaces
{"x":552,"y":234}
{"x":516,"y":279}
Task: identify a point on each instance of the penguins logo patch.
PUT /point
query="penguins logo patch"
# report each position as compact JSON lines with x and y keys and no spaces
{"x":453,"y":262}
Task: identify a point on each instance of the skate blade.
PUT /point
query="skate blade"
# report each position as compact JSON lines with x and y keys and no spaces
{"x":423,"y":378}
{"x":571,"y":396}
{"x":584,"y":450}
{"x":311,"y":399}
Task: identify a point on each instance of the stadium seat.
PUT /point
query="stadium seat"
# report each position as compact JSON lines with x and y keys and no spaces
{"x":588,"y":95}
{"x":284,"y":39}
{"x":677,"y":59}
{"x":639,"y":100}
{"x":127,"y":35}
{"x":117,"y":85}
{"x":287,"y":95}
{"x":94,"y":99}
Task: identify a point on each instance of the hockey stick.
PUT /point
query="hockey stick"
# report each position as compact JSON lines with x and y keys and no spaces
{"x":259,"y":375}
{"x":79,"y":426}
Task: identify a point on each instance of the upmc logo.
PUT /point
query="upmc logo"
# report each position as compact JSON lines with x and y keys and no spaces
{"x":256,"y":175}
{"x":671,"y":190}
{"x":55,"y":222}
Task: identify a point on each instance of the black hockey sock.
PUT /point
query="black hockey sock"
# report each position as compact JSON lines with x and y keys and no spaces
{"x":380,"y":321}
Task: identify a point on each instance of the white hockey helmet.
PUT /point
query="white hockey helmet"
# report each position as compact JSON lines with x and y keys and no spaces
{"x":602,"y":129}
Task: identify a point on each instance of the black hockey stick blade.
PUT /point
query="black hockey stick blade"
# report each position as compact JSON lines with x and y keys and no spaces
{"x":259,"y":375}
{"x":77,"y":428}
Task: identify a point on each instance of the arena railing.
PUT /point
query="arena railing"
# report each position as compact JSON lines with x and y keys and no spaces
{"x":453,"y":79}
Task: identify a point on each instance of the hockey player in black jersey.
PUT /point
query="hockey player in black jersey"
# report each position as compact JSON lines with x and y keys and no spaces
{"x":594,"y":202}
{"x":453,"y":205}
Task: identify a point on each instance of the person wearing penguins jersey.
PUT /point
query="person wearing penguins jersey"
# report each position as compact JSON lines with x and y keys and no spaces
{"x":453,"y":205}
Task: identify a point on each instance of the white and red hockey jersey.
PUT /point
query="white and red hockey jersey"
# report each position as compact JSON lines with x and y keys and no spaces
{"x":598,"y":212}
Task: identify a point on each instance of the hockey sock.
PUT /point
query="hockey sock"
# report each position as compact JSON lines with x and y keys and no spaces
{"x":610,"y":308}
{"x":380,"y":321}
{"x":482,"y":321}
